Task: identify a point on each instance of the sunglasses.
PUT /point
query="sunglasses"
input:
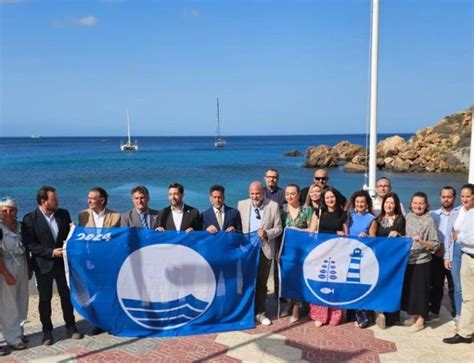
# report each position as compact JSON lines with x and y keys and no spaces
{"x":257,"y":213}
{"x":320,"y":178}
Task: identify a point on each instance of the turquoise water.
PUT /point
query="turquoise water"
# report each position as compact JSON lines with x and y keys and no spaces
{"x":74,"y":165}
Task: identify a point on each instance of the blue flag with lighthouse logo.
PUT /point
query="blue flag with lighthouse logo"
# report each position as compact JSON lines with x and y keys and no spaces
{"x":138,"y":282}
{"x":344,"y":272}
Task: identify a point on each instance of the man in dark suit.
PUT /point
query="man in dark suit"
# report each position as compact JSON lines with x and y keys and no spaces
{"x":140,"y":216}
{"x":220,"y":217}
{"x":179,"y":216}
{"x":44,"y":231}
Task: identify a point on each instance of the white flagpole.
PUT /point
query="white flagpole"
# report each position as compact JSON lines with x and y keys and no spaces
{"x":373,"y":97}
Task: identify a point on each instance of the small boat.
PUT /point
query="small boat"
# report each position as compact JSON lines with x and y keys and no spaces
{"x":36,"y":137}
{"x":129,"y":146}
{"x":219,"y":142}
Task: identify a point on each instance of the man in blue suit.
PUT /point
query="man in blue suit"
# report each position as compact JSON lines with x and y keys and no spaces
{"x":220,"y":217}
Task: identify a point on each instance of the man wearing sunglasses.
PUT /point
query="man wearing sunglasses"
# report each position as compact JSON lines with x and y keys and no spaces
{"x":262,"y":216}
{"x":321,"y":178}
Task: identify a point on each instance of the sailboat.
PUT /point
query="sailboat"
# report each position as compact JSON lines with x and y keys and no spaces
{"x":219,"y":142}
{"x":129,"y":146}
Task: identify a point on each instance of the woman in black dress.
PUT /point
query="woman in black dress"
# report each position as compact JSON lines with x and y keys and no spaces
{"x":390,"y":223}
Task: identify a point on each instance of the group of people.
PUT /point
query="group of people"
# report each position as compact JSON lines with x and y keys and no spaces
{"x":442,"y":248}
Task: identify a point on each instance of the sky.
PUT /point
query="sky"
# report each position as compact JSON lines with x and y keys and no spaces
{"x":72,"y":68}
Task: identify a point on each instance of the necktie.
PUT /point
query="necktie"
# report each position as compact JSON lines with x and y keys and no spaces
{"x":143,"y":218}
{"x":219,"y":218}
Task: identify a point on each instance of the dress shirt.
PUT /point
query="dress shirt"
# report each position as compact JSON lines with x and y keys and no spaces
{"x":441,"y":218}
{"x":99,"y":218}
{"x":466,"y":233}
{"x":53,"y":225}
{"x":177,"y":214}
{"x":254,"y":223}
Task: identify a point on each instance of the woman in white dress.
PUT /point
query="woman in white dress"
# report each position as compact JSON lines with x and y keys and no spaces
{"x":13,"y":277}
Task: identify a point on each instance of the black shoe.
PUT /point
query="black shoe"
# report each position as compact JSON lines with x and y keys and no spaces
{"x":47,"y":338}
{"x":73,"y":333}
{"x":3,"y":351}
{"x":97,"y":331}
{"x":457,"y":339}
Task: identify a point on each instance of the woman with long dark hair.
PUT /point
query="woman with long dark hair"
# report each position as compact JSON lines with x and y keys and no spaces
{"x":333,"y":220}
{"x":389,"y":223}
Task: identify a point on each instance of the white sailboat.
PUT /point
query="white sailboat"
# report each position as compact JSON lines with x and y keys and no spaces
{"x":219,"y":142}
{"x":129,"y":146}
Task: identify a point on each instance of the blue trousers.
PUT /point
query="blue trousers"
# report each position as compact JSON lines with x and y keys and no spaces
{"x":456,"y":273}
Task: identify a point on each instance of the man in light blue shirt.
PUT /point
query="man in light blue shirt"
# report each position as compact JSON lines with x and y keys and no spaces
{"x":438,"y":271}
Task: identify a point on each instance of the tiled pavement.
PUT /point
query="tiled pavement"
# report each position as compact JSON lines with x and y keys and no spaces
{"x":281,"y":342}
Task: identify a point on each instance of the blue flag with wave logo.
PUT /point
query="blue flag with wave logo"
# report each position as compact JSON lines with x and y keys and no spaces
{"x":344,"y":272}
{"x":138,"y":282}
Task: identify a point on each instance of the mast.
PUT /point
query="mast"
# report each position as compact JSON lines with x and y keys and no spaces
{"x":218,"y":127}
{"x":128,"y":127}
{"x":373,"y":97}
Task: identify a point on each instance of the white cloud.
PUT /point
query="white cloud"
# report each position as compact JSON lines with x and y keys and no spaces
{"x":89,"y":20}
{"x":193,"y":13}
{"x":85,"y":21}
{"x":10,"y":1}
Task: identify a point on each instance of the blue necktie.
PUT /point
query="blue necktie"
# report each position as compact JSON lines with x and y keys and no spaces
{"x":143,"y":218}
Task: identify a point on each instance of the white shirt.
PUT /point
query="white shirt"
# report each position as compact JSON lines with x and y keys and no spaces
{"x":459,"y":219}
{"x":255,"y":223}
{"x":53,"y":225}
{"x":99,"y":218}
{"x":177,"y":215}
{"x":466,"y":232}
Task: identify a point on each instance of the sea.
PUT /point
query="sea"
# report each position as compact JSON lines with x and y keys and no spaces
{"x":73,"y":165}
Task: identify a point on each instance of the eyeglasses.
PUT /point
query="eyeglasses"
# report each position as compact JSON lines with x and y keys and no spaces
{"x":271,"y":177}
{"x":257,"y":213}
{"x":383,"y":186}
{"x":320,"y":177}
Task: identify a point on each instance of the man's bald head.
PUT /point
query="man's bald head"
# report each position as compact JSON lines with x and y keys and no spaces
{"x":256,"y":193}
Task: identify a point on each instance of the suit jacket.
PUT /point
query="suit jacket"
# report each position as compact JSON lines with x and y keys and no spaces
{"x":231,"y":219}
{"x":132,"y":219}
{"x":271,"y":223}
{"x":86,"y":219}
{"x":191,"y":218}
{"x":38,"y":238}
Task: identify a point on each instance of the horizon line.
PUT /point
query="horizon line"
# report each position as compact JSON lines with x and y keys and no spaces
{"x":212,"y":136}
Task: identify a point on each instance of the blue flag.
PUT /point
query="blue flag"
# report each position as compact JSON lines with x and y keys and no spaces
{"x":138,"y":282}
{"x":344,"y":272}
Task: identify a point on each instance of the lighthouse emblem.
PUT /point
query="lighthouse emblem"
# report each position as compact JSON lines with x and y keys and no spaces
{"x":341,"y":271}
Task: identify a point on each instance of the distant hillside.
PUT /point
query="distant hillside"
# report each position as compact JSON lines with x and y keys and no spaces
{"x":443,"y":147}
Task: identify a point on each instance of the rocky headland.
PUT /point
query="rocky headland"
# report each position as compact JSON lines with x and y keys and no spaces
{"x":443,"y":147}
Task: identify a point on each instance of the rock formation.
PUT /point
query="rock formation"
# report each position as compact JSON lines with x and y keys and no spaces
{"x":443,"y":147}
{"x":293,"y":153}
